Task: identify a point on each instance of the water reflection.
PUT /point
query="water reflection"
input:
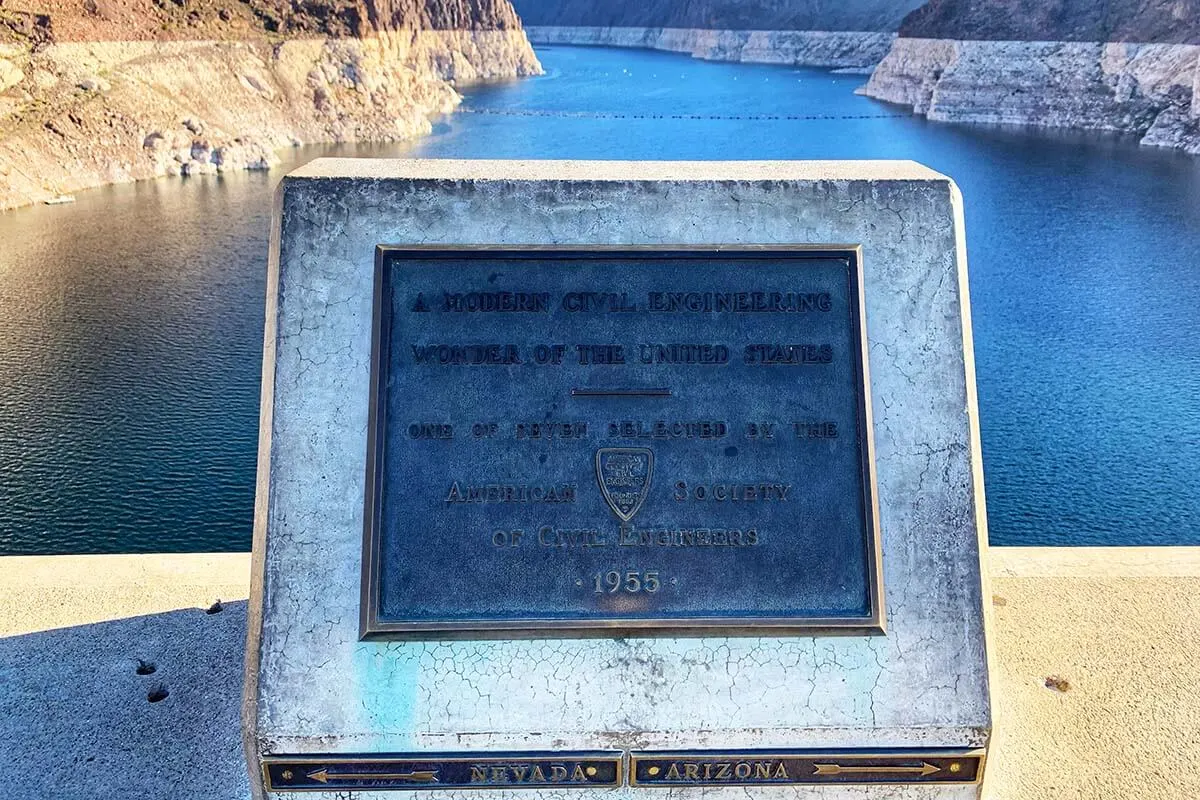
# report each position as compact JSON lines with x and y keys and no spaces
{"x":131,"y":321}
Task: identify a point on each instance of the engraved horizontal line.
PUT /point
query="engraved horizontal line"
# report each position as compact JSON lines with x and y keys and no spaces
{"x":657,"y":392}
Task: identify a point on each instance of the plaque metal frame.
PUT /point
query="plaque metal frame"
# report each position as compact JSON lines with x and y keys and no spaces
{"x":371,"y":627}
{"x":376,"y":772}
{"x":836,"y":767}
{"x":638,"y":769}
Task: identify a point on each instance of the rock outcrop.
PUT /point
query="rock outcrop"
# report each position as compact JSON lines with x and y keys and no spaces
{"x":844,"y":49}
{"x":853,"y":34}
{"x":88,"y":98}
{"x":1058,"y":78}
{"x":723,"y":15}
{"x":1146,"y":21}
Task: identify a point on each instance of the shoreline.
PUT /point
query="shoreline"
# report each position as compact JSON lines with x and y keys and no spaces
{"x":1145,"y":90}
{"x":102,"y":113}
{"x":1148,"y":90}
{"x":851,"y":50}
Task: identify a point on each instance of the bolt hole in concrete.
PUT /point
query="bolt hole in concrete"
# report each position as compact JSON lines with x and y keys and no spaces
{"x":146,"y":667}
{"x":1058,"y":684}
{"x":215,"y":608}
{"x":157,"y":694}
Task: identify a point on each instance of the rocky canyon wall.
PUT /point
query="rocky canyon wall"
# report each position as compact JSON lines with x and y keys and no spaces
{"x":97,"y":95}
{"x":1145,"y":21}
{"x":724,"y":15}
{"x":846,"y":49}
{"x":1063,"y":72}
{"x":853,"y":34}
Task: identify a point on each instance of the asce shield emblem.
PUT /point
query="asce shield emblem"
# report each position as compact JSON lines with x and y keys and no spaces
{"x":624,"y":476}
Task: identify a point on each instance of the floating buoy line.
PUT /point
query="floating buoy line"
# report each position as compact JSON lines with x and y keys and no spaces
{"x":534,"y":112}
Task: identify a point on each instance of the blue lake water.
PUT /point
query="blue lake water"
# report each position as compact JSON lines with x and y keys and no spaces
{"x":131,"y":321}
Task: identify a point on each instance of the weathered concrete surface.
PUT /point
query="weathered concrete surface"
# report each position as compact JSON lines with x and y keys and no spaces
{"x":1122,"y":626}
{"x":312,"y":686}
{"x":76,"y":720}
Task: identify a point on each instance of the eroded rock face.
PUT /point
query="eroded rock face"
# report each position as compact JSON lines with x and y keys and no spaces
{"x":1119,"y":65}
{"x":76,"y":114}
{"x":10,"y":75}
{"x":911,"y":74}
{"x":1161,"y":21}
{"x":1144,"y":89}
{"x":852,"y":35}
{"x":190,"y":108}
{"x":363,"y":17}
{"x":845,"y":49}
{"x":723,"y":15}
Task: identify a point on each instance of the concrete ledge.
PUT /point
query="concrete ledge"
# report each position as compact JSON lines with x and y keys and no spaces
{"x":448,"y":169}
{"x":77,"y":721}
{"x":1119,"y":627}
{"x":1094,"y":562}
{"x":1115,"y":629}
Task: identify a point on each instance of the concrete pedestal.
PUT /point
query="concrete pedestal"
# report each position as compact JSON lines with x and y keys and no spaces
{"x":314,"y":688}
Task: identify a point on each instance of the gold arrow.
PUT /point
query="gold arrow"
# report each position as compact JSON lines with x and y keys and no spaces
{"x":837,"y":769}
{"x":419,"y":776}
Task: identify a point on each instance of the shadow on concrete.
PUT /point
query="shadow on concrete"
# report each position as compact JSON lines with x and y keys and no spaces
{"x":78,"y":721}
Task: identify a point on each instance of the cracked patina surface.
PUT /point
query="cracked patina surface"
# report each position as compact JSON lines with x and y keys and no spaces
{"x":315,"y":688}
